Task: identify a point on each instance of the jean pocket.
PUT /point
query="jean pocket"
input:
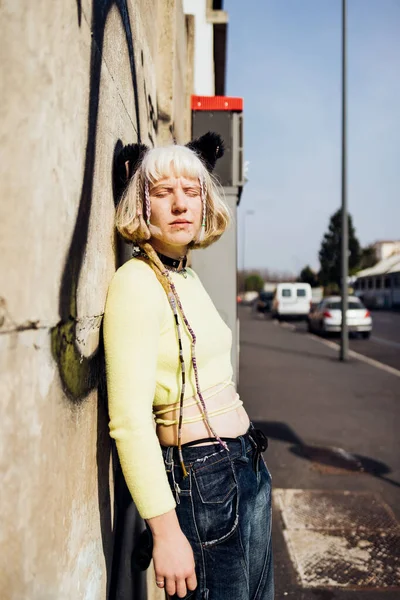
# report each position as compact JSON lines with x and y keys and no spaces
{"x":216,"y":503}
{"x":215,"y":481}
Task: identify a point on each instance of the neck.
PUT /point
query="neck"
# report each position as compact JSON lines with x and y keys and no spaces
{"x":170,"y":251}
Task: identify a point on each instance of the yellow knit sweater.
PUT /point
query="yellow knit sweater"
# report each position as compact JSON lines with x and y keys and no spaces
{"x":143,"y":369}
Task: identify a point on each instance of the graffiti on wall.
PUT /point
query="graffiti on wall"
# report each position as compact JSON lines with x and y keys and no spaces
{"x":80,"y":374}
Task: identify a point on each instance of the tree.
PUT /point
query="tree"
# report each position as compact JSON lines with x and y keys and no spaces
{"x":368,"y":258}
{"x":253,"y":282}
{"x":307,"y":275}
{"x":330,"y":252}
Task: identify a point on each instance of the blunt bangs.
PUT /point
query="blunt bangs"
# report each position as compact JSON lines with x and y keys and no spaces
{"x":160,"y":163}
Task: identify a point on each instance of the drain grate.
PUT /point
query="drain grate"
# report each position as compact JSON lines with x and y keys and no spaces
{"x":346,"y":559}
{"x":341,"y":539}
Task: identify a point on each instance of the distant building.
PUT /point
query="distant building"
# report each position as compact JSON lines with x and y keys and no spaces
{"x":379,"y":286}
{"x":211,"y":110}
{"x":210,"y":39}
{"x":384,"y":249}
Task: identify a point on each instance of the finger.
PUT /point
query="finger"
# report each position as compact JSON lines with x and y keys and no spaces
{"x":170,"y":587}
{"x":160,"y":582}
{"x":181,"y":588}
{"x":191,"y":582}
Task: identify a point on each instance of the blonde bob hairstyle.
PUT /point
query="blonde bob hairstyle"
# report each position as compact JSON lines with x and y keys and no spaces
{"x":157,"y":164}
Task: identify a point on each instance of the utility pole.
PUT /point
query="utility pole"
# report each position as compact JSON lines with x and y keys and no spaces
{"x":344,"y":345}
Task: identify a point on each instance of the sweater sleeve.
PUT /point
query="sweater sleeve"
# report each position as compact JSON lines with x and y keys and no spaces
{"x":133,"y":319}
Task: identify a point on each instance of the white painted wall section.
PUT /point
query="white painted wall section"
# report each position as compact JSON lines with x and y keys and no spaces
{"x":204,"y":48}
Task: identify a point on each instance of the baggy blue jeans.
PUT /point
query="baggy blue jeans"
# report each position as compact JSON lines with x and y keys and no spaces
{"x":224,"y":509}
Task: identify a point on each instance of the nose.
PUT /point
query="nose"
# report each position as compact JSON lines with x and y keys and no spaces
{"x":179,"y":201}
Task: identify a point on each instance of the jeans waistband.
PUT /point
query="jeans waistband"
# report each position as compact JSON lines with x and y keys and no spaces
{"x":253,"y":439}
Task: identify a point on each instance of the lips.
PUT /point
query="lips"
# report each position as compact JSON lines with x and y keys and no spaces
{"x":181,"y":222}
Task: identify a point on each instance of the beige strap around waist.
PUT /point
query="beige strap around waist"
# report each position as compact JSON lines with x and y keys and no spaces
{"x":194,"y":402}
{"x":214,"y":413}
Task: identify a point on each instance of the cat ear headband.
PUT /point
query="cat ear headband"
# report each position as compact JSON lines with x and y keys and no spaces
{"x":209,"y":148}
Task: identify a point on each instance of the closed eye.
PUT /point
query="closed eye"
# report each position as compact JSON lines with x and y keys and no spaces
{"x":193,"y":192}
{"x":162,"y":192}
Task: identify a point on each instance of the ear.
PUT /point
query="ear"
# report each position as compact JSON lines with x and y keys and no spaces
{"x":126,"y":162}
{"x":209,"y":147}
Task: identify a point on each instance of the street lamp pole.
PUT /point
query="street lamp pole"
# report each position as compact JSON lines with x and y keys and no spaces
{"x":344,"y":345}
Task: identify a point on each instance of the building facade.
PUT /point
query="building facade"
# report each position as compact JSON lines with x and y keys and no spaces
{"x":379,"y":286}
{"x":385,"y":249}
{"x":217,"y":265}
{"x":78,"y":80}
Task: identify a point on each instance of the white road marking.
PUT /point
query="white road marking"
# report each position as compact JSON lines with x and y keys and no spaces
{"x":361,"y":357}
{"x":358,"y":356}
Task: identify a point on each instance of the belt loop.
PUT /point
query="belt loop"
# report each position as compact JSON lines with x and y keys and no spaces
{"x":256,"y":449}
{"x":169,"y":458}
{"x":243,"y":446}
{"x":243,"y":457}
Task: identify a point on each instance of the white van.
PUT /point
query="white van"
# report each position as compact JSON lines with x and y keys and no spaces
{"x":292,"y":300}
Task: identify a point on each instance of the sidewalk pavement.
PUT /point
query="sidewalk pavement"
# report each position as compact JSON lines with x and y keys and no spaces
{"x":334,"y":456}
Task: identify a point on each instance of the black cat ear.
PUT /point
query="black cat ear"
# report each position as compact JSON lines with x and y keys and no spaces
{"x":209,"y":147}
{"x":126,"y":163}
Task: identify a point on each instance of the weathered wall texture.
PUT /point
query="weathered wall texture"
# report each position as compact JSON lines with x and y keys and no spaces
{"x":76,"y":77}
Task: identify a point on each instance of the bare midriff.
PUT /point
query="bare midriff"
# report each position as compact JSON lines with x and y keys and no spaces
{"x":231,"y":423}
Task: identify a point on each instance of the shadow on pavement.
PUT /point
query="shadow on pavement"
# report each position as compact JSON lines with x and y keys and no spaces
{"x":328,"y":458}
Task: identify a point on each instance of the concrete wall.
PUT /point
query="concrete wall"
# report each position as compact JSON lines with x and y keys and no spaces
{"x":76,"y":78}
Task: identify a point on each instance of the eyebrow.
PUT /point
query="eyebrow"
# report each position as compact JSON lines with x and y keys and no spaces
{"x":156,"y":186}
{"x":169,"y":186}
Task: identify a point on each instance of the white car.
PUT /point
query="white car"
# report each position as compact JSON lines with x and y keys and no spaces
{"x":291,"y":300}
{"x":327,"y":317}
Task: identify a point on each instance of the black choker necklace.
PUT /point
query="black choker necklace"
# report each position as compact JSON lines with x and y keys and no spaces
{"x":174,"y":264}
{"x":178,"y":264}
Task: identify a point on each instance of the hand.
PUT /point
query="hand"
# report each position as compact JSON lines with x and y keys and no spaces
{"x":174,"y":564}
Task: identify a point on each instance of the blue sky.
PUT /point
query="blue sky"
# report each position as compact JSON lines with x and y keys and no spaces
{"x":284,"y":58}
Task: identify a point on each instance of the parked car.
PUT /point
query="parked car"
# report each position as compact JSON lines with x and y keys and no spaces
{"x":292,"y":300}
{"x":327,"y":317}
{"x":249,"y":297}
{"x":264,"y":301}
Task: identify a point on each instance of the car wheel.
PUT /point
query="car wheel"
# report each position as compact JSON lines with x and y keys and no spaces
{"x":366,"y":335}
{"x":309,"y":328}
{"x":322,"y":329}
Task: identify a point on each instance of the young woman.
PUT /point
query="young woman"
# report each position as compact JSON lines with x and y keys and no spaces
{"x":190,"y":456}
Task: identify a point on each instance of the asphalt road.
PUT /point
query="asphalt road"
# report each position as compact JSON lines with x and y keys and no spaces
{"x":309,"y":404}
{"x":384,"y":343}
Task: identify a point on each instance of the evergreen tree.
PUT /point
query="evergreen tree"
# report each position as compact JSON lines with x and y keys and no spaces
{"x":330,"y":252}
{"x":368,"y":258}
{"x":307,"y":275}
